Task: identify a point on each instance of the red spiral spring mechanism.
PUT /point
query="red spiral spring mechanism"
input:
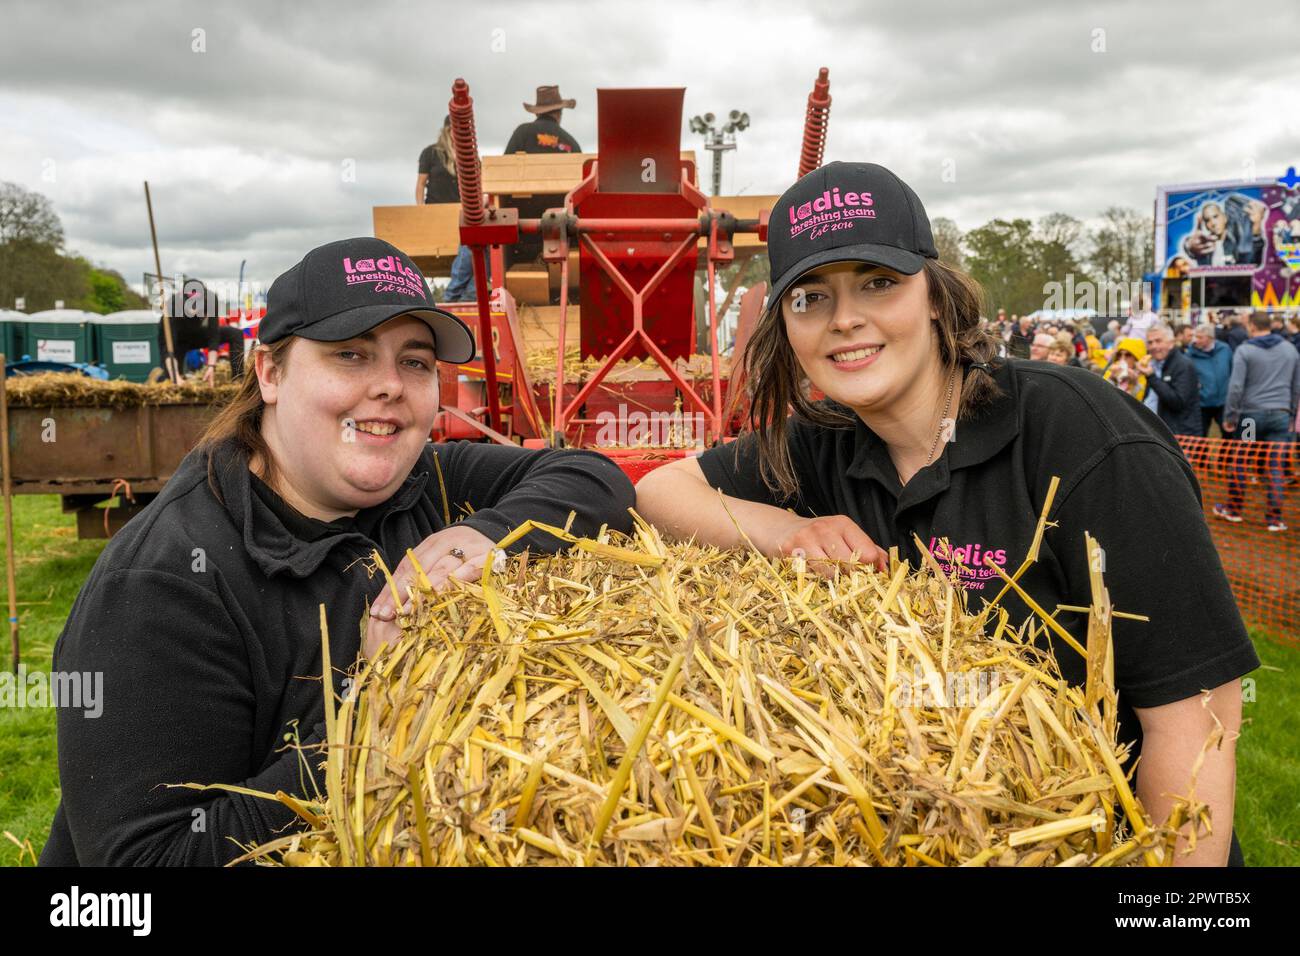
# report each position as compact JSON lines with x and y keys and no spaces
{"x":814,"y":124}
{"x":465,"y":143}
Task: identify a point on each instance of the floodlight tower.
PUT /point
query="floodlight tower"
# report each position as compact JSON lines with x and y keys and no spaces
{"x":719,"y":139}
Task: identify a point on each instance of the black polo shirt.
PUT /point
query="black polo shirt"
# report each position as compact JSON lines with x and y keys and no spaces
{"x":542,"y":135}
{"x":1123,"y":479}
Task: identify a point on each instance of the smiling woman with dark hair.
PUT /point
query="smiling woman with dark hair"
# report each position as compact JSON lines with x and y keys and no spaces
{"x":926,"y":438}
{"x":202,"y":613}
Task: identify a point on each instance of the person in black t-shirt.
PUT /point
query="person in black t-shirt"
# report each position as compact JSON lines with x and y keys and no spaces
{"x":543,"y":135}
{"x":927,"y":439}
{"x":435,"y":181}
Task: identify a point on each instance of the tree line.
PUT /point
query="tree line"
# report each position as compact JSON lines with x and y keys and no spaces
{"x":1015,"y":260}
{"x":35,"y":267}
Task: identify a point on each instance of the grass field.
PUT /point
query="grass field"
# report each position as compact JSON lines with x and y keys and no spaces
{"x":52,"y":564}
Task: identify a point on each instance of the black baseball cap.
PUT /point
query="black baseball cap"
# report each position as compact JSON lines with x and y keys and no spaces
{"x":342,"y":289}
{"x":846,"y":212}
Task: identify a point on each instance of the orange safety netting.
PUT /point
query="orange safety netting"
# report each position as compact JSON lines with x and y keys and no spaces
{"x":1257,"y":482}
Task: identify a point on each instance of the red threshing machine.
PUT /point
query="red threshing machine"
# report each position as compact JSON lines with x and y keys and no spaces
{"x":641,"y":229}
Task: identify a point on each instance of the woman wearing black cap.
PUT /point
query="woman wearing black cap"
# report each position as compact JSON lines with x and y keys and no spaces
{"x":925,"y":434}
{"x":202,"y":613}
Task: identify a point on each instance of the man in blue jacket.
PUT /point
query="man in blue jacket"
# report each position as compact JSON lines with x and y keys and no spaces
{"x":1212,"y":360}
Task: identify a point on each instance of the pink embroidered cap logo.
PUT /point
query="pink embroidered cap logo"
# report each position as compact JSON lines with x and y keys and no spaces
{"x":385,"y":274}
{"x":829,"y":209}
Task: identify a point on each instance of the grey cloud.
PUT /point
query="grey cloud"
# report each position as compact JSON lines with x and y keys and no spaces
{"x":1010,"y":91}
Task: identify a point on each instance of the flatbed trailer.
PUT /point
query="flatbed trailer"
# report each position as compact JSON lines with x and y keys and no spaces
{"x":91,"y":456}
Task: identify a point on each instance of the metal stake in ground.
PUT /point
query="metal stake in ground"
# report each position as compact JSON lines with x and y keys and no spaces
{"x":9,"y":515}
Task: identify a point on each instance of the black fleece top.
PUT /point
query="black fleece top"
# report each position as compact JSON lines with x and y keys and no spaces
{"x":203,"y":618}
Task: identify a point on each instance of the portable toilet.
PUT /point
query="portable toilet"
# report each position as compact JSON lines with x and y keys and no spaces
{"x":59,"y":335}
{"x":12,"y":326}
{"x":126,"y":343}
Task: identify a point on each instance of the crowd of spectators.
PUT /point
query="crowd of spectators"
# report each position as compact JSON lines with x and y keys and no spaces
{"x":1228,"y":374}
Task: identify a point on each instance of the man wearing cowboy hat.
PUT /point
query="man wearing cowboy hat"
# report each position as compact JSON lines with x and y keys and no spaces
{"x":544,"y":134}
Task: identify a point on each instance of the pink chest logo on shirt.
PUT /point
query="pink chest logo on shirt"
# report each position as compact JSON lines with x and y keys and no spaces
{"x":385,"y":274}
{"x":968,"y":561}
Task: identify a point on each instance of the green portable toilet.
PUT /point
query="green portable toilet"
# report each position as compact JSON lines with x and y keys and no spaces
{"x":12,"y":326}
{"x":59,"y":335}
{"x":126,"y":343}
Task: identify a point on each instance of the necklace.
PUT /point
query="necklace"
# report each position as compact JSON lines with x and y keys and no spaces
{"x":947,"y":405}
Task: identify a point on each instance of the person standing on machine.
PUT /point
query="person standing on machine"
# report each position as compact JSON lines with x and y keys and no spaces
{"x":543,"y":135}
{"x":435,"y":182}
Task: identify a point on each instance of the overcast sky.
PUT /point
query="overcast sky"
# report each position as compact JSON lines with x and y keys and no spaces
{"x":1030,"y":107}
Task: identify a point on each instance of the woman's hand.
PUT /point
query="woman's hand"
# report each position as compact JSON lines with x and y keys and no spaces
{"x":378,"y":633}
{"x":835,"y":538}
{"x":678,"y":500}
{"x":439,"y":563}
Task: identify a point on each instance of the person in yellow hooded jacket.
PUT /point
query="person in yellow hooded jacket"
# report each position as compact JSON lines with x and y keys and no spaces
{"x":1122,"y":371}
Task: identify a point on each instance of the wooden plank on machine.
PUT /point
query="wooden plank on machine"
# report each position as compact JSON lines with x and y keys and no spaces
{"x":538,"y":324}
{"x":530,"y":174}
{"x":429,"y":234}
{"x":529,"y":283}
